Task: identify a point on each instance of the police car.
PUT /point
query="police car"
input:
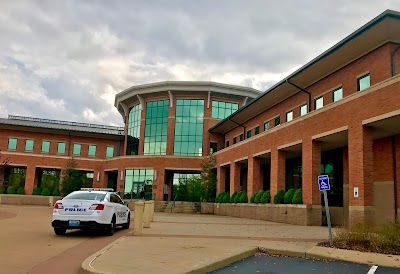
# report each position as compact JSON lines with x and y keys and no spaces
{"x":90,"y":208}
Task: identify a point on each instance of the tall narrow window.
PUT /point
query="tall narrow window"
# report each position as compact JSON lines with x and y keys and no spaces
{"x":363,"y":82}
{"x":303,"y":110}
{"x":61,"y":148}
{"x":318,"y":102}
{"x":133,"y":133}
{"x":289,"y":116}
{"x":221,"y":110}
{"x":76,"y":150}
{"x":92,"y":150}
{"x":257,"y":130}
{"x":248,"y":134}
{"x":189,"y":120}
{"x":234,"y":140}
{"x":213,"y":147}
{"x":241,"y":137}
{"x":12,"y":143}
{"x":156,"y":128}
{"x":337,"y":94}
{"x":277,"y":121}
{"x":266,"y":126}
{"x":46,"y":146}
{"x":227,"y":143}
{"x":109,"y":152}
{"x":29,"y":145}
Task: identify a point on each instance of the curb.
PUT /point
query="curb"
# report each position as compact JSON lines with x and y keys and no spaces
{"x":283,"y":252}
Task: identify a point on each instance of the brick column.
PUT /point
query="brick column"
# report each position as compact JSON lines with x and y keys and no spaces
{"x":171,"y":129}
{"x":397,"y":144}
{"x":278,"y":170}
{"x":221,"y":176}
{"x":235,"y":177}
{"x":311,"y":169}
{"x":126,"y":135}
{"x":361,"y":209}
{"x":254,"y":178}
{"x":158,"y":184}
{"x":121,"y":183}
{"x":1,"y":176}
{"x":30,"y":179}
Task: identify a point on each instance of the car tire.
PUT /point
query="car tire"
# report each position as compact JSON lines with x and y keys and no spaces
{"x":110,"y":231}
{"x":60,"y":230}
{"x":128,"y":223}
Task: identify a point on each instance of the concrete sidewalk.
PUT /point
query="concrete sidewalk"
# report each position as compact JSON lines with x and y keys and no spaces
{"x":180,"y":243}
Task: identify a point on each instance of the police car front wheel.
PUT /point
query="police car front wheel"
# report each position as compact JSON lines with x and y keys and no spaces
{"x":110,"y":231}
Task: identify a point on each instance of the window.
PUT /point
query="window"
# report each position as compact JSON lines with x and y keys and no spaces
{"x":234,"y":140}
{"x":337,"y":94}
{"x":213,"y":147}
{"x":227,"y":143}
{"x":363,"y":82}
{"x":189,"y":121}
{"x":92,"y":150}
{"x":248,"y":134}
{"x":277,"y":121}
{"x":29,"y":145}
{"x":45,"y":146}
{"x":76,"y":150}
{"x":61,"y":148}
{"x":241,"y":137}
{"x":156,"y":128}
{"x":257,"y":130}
{"x":303,"y":110}
{"x":109,"y":152}
{"x":12,"y":143}
{"x":266,"y":126}
{"x":319,"y":102}
{"x":133,"y":133}
{"x":136,"y":180}
{"x":289,"y":116}
{"x":221,"y":110}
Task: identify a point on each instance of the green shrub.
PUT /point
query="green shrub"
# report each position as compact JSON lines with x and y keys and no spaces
{"x":11,"y":190}
{"x":266,"y":197}
{"x":258,"y":196}
{"x":289,"y":196}
{"x":55,"y":192}
{"x":232,"y":200}
{"x":2,"y":190}
{"x":297,"y":197}
{"x":36,"y":191}
{"x":279,"y":197}
{"x":218,"y":198}
{"x":45,"y":192}
{"x":21,"y":191}
{"x":237,"y":198}
{"x":243,"y":198}
{"x":225,"y":198}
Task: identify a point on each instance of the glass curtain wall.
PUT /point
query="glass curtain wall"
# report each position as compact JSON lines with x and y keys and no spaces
{"x":189,"y":120}
{"x":156,"y":129}
{"x":221,"y":110}
{"x":133,"y":135}
{"x":136,"y":180}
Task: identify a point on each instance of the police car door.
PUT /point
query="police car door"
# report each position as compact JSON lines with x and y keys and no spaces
{"x":123,"y":210}
{"x":117,"y":207}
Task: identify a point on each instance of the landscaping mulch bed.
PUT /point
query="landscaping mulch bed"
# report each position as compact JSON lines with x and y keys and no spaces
{"x":363,"y":247}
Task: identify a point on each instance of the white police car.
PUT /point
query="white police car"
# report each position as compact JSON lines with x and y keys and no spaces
{"x":90,"y":208}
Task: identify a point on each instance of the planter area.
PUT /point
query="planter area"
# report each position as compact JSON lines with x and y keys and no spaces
{"x":309,"y":215}
{"x":15,"y":199}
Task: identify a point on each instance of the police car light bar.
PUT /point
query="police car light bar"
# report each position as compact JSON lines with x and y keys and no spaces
{"x":97,"y":189}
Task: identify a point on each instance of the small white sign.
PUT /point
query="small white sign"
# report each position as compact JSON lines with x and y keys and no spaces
{"x":356,"y":192}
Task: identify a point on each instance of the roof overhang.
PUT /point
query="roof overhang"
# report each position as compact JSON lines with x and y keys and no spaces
{"x":129,"y":96}
{"x":384,"y":28}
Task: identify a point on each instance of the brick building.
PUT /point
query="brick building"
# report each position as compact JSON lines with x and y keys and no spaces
{"x":337,"y":115}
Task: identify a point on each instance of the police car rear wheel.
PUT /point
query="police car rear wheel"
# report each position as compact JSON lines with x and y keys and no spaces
{"x":110,"y":231}
{"x":59,"y":230}
{"x":128,"y":223}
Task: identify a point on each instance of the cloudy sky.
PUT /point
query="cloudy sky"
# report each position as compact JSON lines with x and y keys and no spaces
{"x":67,"y":59}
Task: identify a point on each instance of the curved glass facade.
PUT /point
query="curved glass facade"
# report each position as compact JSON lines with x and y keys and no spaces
{"x":133,"y":135}
{"x":156,"y":129}
{"x":189,"y":120}
{"x":221,"y":110}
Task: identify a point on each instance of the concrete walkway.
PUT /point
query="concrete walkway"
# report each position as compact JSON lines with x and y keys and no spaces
{"x":183,"y":243}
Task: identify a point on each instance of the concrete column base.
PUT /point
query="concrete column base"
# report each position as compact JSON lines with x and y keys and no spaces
{"x":361,"y":214}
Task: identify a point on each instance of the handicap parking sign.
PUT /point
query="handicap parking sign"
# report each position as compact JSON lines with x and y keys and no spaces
{"x":323,"y":182}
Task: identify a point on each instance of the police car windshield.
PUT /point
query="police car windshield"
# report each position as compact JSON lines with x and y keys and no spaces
{"x":86,"y":196}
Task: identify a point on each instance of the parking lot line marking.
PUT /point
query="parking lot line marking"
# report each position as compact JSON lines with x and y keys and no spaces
{"x":372,"y":269}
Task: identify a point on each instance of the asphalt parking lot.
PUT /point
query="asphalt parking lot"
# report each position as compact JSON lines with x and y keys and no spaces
{"x":288,"y":265}
{"x":29,"y":244}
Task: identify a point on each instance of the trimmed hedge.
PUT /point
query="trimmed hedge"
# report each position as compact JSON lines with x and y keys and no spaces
{"x":55,"y":192}
{"x":297,"y":197}
{"x":2,"y":190}
{"x":21,"y":191}
{"x":233,"y":198}
{"x":11,"y":190}
{"x":257,"y":198}
{"x":237,"y":198}
{"x":252,"y":198}
{"x":279,"y":197}
{"x":289,"y":196}
{"x":36,"y":191}
{"x":225,"y":198}
{"x":219,"y":196}
{"x":45,"y":192}
{"x":243,"y":198}
{"x":266,"y":197}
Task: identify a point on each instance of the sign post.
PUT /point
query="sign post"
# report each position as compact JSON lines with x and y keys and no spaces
{"x":323,"y":183}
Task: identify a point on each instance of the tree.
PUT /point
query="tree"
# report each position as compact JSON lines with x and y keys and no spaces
{"x":4,"y":163}
{"x":208,"y":179}
{"x":72,"y":179}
